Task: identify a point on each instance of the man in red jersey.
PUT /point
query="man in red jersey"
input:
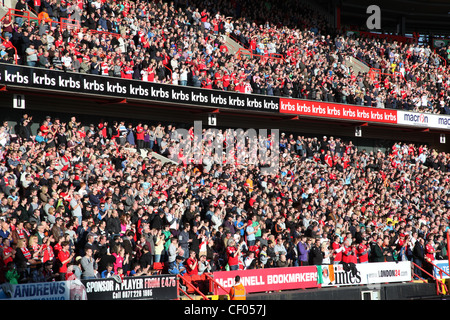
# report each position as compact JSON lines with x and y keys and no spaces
{"x":64,"y":257}
{"x":233,"y":255}
{"x":363,"y":251}
{"x":337,"y":250}
{"x":349,"y":253}
{"x":429,"y":256}
{"x":192,"y":264}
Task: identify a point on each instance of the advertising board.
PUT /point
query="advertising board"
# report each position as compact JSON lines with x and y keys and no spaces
{"x":87,"y":84}
{"x":271,"y":279}
{"x":158,"y":287}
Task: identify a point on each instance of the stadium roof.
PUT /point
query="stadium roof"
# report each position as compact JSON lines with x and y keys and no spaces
{"x":431,"y":16}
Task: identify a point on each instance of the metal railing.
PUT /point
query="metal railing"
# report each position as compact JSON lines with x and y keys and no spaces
{"x":441,"y":287}
{"x":63,"y":24}
{"x":373,"y":73}
{"x":216,"y":284}
{"x":16,"y":57}
{"x":440,"y":57}
{"x":263,"y":58}
{"x":189,"y":283}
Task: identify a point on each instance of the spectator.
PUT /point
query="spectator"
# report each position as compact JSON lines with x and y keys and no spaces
{"x":192,"y":264}
{"x":89,"y":265}
{"x":64,"y":258}
{"x":108,"y":272}
{"x":316,"y":255}
{"x":177,"y":267}
{"x":203,"y":265}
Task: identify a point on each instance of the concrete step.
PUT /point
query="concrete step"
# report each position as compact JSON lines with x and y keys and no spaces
{"x":232,"y":45}
{"x":3,"y":11}
{"x":146,"y":153}
{"x":358,"y":66}
{"x":11,"y":4}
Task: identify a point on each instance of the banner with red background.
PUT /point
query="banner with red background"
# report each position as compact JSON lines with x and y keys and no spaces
{"x":337,"y":111}
{"x":271,"y":279}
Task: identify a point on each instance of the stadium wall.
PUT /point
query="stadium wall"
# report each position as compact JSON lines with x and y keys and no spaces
{"x":385,"y":292}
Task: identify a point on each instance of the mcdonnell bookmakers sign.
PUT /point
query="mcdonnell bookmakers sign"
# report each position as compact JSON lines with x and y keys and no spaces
{"x":59,"y":81}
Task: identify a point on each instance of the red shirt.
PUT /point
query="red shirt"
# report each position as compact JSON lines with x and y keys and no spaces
{"x":363,"y":254}
{"x":337,"y":256}
{"x":429,"y":252}
{"x":57,"y":248}
{"x":44,"y":130}
{"x":7,"y":250}
{"x":62,"y":256}
{"x":139,"y":133}
{"x":349,"y":256}
{"x":233,"y":257}
{"x":190,"y":271}
{"x":48,"y":253}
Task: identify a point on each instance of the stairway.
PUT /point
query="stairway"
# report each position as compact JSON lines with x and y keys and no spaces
{"x":232,"y":45}
{"x":11,"y":4}
{"x":144,"y":154}
{"x":3,"y":11}
{"x":357,"y":66}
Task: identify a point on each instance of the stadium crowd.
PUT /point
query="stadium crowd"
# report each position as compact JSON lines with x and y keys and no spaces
{"x":294,"y":55}
{"x":90,"y":201}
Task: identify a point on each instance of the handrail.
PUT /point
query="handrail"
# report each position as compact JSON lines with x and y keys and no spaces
{"x":362,"y":61}
{"x":378,"y":71}
{"x":228,"y":43}
{"x":68,"y":25}
{"x":15,"y":49}
{"x":440,"y":269}
{"x":236,"y":40}
{"x":445,"y":61}
{"x":192,"y":286}
{"x":185,"y":293}
{"x":216,"y":283}
{"x":171,"y":73}
{"x":12,"y":13}
{"x":438,"y":281}
{"x":270,"y":56}
{"x":116,"y":35}
{"x":61,"y":24}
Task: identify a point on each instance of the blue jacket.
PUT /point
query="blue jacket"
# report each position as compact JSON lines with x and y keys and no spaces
{"x":177,"y":268}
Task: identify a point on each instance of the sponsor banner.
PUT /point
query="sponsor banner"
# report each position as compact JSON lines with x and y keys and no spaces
{"x":427,"y":120}
{"x":366,"y":273}
{"x":58,"y":290}
{"x":441,"y":121}
{"x":443,"y":271}
{"x":159,"y":287}
{"x":438,"y":43}
{"x":414,"y":118}
{"x":260,"y":280}
{"x":337,"y":111}
{"x":59,"y":81}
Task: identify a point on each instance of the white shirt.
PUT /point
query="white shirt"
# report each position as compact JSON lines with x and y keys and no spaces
{"x":77,"y":211}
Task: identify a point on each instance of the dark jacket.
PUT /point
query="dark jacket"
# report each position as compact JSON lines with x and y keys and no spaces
{"x":113,"y":225}
{"x":315,"y":256}
{"x":377,"y":253}
{"x":418,"y":251}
